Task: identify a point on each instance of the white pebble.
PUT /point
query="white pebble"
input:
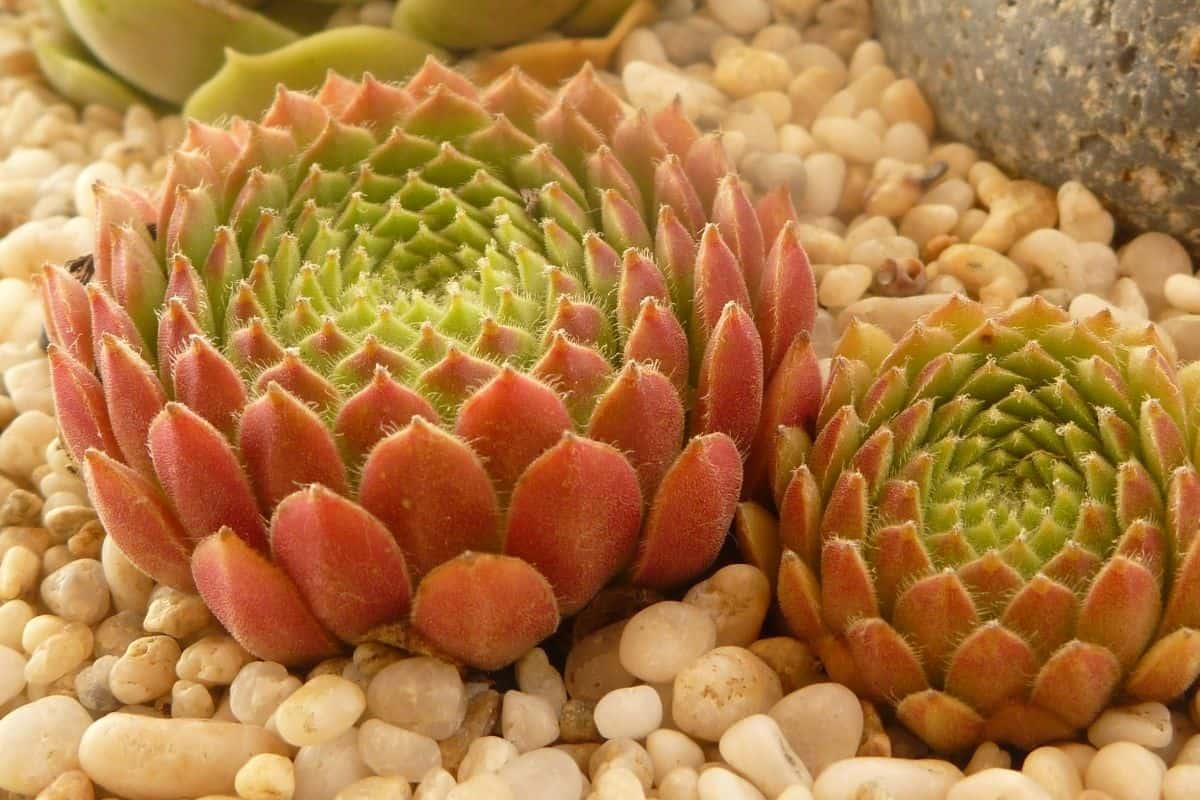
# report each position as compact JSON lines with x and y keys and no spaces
{"x":900,"y":779}
{"x":212,"y":661}
{"x":39,"y":742}
{"x":631,"y":713}
{"x":436,"y":785}
{"x":546,"y":774}
{"x":1183,"y":292}
{"x":826,"y":175}
{"x":102,"y":171}
{"x":718,"y":783}
{"x":1181,"y":782}
{"x":319,"y":711}
{"x":1055,"y":772}
{"x":756,"y":748}
{"x":669,"y":750}
{"x":389,"y":750}
{"x":719,"y":688}
{"x":12,"y":674}
{"x":623,"y":753}
{"x":822,"y":722}
{"x":906,"y":142}
{"x":14,"y":615}
{"x":997,"y":784}
{"x":1081,"y":216}
{"x":1147,"y":724}
{"x":594,"y":667}
{"x":423,"y":694}
{"x":662,"y":639}
{"x":1126,"y":771}
{"x":652,"y":87}
{"x":528,"y":721}
{"x":1150,"y":259}
{"x":19,"y":570}
{"x":191,"y":700}
{"x":618,"y":784}
{"x":1053,"y":256}
{"x":59,"y":654}
{"x":737,"y":597}
{"x":266,"y":776}
{"x":482,"y":787}
{"x":642,"y":44}
{"x":323,"y":770}
{"x":258,"y":689}
{"x":486,"y":754}
{"x":681,"y":783}
{"x":77,"y":592}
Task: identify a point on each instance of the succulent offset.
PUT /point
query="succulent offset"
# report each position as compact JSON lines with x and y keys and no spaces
{"x":431,"y":360}
{"x":995,"y":527}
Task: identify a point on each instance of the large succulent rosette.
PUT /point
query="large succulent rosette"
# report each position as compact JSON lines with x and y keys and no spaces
{"x":431,"y":358}
{"x":996,"y":526}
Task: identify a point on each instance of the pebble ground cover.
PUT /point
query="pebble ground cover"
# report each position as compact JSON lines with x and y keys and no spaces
{"x":112,"y":686}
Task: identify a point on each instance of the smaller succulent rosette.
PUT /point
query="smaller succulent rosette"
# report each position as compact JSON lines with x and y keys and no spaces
{"x":431,"y":360}
{"x":995,"y":528}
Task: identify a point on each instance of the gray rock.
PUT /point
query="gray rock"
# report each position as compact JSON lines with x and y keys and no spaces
{"x":1106,"y":92}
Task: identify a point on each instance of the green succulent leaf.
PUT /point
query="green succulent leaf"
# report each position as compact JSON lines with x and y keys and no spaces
{"x":246,"y":85}
{"x":71,"y":70}
{"x":470,"y":24}
{"x":169,"y":47}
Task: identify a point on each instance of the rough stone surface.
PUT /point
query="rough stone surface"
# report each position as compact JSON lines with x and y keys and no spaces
{"x":1102,"y":91}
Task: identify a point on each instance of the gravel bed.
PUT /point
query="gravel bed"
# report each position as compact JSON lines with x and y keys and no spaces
{"x":111,"y":686}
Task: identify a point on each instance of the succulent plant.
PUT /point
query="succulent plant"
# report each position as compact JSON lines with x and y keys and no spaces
{"x":995,"y":528}
{"x":429,"y":362}
{"x":469,"y":24}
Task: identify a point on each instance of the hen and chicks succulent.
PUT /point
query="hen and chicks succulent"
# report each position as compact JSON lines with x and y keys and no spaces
{"x":431,"y":362}
{"x":995,"y":528}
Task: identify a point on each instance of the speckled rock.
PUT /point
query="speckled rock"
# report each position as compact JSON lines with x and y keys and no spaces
{"x":1097,"y":90}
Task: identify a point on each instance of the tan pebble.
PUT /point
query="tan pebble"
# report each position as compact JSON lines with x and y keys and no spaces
{"x":1183,"y":292}
{"x":796,"y":140}
{"x":988,"y":756}
{"x":807,"y":55}
{"x":779,"y":38}
{"x":115,"y":634}
{"x":757,"y":748}
{"x":1150,"y":259}
{"x":145,"y":758}
{"x":793,"y":661}
{"x":954,"y":192}
{"x":39,"y":629}
{"x":969,"y":223}
{"x":719,"y":783}
{"x":681,"y":783}
{"x":1127,"y":296}
{"x":319,"y":711}
{"x":849,"y":138}
{"x":19,"y":570}
{"x":594,"y":667}
{"x":1051,"y":258}
{"x":906,"y":141}
{"x":146,"y":670}
{"x":71,"y":785}
{"x":858,"y":177}
{"x":59,"y":654}
{"x":1127,"y":771}
{"x":1018,"y":208}
{"x":874,"y":253}
{"x":617,"y":783}
{"x":841,"y":105}
{"x":901,"y":779}
{"x":742,"y":71}
{"x":810,"y":91}
{"x":823,"y":246}
{"x":212,"y":661}
{"x":175,"y":613}
{"x":1055,"y":771}
{"x":191,"y":700}
{"x":622,"y":753}
{"x":483,"y":712}
{"x":978,"y":267}
{"x":844,"y":284}
{"x":266,"y":776}
{"x":1184,"y":331}
{"x":721,"y":687}
{"x":434,"y":786}
{"x":1081,"y":216}
{"x":902,"y":101}
{"x":893,"y":314}
{"x":924,"y":222}
{"x":868,"y":88}
{"x":482,"y":787}
{"x":866,"y":55}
